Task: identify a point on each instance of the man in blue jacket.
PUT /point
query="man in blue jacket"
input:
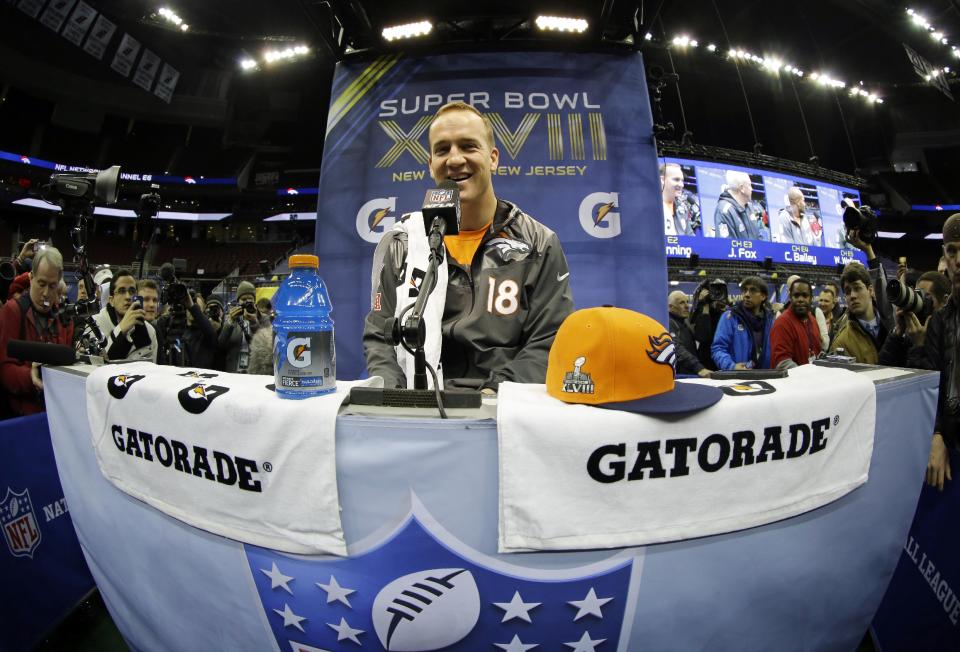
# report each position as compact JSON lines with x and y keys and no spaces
{"x":742,"y":340}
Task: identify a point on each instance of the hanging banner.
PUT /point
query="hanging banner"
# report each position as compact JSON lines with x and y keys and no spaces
{"x":167,"y":82}
{"x":31,"y":7}
{"x":99,"y":37}
{"x":147,"y":70}
{"x":79,"y":23}
{"x":576,"y":153}
{"x":126,"y":54}
{"x":56,"y":13}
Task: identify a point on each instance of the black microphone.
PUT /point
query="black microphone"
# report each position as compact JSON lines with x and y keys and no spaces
{"x":53,"y":354}
{"x":443,"y":202}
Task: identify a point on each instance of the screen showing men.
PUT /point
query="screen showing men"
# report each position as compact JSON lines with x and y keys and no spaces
{"x":723,"y":211}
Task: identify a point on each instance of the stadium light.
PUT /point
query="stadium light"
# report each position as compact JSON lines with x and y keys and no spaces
{"x":273,"y":56}
{"x":248,"y":64}
{"x":171,"y":16}
{"x":562,"y":24}
{"x":409,"y":30}
{"x":683,"y":41}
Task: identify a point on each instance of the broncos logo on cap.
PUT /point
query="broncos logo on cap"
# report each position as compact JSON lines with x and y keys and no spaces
{"x":602,"y":211}
{"x":663,"y":350}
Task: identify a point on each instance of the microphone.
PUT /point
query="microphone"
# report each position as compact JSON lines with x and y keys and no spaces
{"x":443,"y":202}
{"x":52,"y":354}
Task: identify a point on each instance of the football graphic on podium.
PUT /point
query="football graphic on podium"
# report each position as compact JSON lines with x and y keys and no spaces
{"x":427,"y":610}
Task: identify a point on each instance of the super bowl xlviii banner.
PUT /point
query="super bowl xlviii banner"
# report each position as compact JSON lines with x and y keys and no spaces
{"x":576,"y":153}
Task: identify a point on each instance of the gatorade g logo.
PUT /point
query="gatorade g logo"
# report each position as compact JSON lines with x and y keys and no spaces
{"x":118,"y":386}
{"x":298,"y":352}
{"x":375,"y":218}
{"x":599,"y":216}
{"x":198,"y":397}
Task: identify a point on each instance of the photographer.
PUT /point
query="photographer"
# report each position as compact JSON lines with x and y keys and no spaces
{"x":128,"y":336}
{"x":242,"y":322}
{"x":31,"y":318}
{"x":195,"y":339}
{"x":904,"y":346}
{"x":710,"y":302}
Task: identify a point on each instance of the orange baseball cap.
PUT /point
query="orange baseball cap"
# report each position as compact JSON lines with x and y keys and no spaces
{"x":622,"y":360}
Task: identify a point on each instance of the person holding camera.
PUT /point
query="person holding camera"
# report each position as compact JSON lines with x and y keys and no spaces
{"x":124,"y":332}
{"x":742,"y":340}
{"x":240,"y":325}
{"x":904,"y":346}
{"x":32,"y":317}
{"x":187,"y":337}
{"x":710,"y":302}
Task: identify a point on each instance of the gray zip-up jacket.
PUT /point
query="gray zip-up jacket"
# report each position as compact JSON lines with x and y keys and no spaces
{"x":501,"y":313}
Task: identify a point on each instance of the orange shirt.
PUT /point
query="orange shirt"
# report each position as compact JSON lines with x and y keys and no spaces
{"x":464,"y":245}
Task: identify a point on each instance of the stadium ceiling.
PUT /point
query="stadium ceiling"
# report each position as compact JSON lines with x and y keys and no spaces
{"x":853,"y":39}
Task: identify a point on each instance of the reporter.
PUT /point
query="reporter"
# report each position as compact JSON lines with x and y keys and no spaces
{"x":197,"y":343}
{"x":32,"y":318}
{"x":122,"y":323}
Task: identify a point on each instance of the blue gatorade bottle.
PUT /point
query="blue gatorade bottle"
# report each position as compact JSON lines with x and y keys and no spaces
{"x":304,"y":357}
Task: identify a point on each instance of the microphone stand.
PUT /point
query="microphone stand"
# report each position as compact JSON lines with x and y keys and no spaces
{"x":413,"y":333}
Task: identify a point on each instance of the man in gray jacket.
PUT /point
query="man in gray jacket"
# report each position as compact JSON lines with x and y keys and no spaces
{"x":508,"y":283}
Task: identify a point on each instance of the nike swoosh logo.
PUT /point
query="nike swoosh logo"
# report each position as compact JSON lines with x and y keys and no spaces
{"x":560,"y":278}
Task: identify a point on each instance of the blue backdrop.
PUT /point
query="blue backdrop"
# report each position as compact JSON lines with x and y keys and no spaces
{"x":43,"y":570}
{"x":576,"y":152}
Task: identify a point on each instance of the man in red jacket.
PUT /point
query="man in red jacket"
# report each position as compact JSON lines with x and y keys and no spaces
{"x":32,"y":317}
{"x":795,"y":337}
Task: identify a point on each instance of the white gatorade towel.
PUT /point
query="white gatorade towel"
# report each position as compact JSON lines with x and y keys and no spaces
{"x":578,"y":476}
{"x":222,"y":452}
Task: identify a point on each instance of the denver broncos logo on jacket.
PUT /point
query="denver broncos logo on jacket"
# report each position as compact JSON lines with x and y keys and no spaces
{"x":662,"y":350}
{"x":118,"y":386}
{"x":198,"y":397}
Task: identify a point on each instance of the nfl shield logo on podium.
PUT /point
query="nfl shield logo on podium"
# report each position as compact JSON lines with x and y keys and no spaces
{"x":20,"y":528}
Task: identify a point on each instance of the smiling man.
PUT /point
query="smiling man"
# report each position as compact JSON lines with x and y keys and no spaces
{"x":795,"y":336}
{"x":508,"y":285}
{"x":681,"y":212}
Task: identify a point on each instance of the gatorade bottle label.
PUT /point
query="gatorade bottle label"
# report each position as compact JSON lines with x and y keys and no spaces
{"x":305,"y":360}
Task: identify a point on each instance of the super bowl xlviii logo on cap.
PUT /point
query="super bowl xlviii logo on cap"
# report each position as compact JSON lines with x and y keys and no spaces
{"x":19,"y":522}
{"x":416,"y":587}
{"x":576,"y":381}
{"x":662,"y":350}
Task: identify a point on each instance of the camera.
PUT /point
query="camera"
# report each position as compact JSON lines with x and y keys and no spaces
{"x":249,"y":307}
{"x":81,"y":309}
{"x":174,"y":294}
{"x":863,"y":219}
{"x":910,"y":300}
{"x":718,"y":290}
{"x":138,"y":300}
{"x":214,"y":312}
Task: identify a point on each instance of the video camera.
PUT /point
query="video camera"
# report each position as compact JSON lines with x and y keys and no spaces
{"x":174,"y":292}
{"x":718,"y":290}
{"x":863,"y":219}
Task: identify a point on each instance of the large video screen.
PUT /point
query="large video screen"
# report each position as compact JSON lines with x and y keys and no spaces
{"x":728,"y":212}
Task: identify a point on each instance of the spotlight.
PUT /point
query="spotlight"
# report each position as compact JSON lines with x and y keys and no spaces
{"x":410,"y":30}
{"x":561,"y":24}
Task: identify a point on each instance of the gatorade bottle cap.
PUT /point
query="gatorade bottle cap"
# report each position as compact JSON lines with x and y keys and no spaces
{"x":304,"y":260}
